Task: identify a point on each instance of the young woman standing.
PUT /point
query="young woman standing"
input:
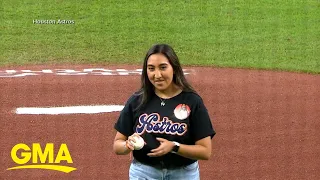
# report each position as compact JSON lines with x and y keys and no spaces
{"x":171,"y":118}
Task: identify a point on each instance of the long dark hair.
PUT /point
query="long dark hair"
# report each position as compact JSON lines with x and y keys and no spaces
{"x":147,"y":89}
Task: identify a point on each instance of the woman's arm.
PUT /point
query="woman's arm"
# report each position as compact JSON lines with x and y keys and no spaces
{"x":120,"y":146}
{"x":200,"y":151}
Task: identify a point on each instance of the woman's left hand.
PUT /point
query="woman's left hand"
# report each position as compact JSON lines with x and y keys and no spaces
{"x":164,"y":148}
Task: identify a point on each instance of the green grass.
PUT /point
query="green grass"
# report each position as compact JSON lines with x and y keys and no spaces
{"x":263,"y":34}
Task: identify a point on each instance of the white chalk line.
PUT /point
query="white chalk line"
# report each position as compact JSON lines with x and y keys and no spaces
{"x":94,"y":109}
{"x":9,"y":73}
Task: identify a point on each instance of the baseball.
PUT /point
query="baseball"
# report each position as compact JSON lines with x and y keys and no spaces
{"x":139,"y":142}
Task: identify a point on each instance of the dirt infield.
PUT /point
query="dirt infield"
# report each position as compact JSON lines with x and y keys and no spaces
{"x":267,"y":123}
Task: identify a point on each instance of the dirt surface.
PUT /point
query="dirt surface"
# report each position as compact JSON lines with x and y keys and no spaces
{"x":267,"y":123}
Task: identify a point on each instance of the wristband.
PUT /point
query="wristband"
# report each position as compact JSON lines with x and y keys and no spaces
{"x":176,"y":147}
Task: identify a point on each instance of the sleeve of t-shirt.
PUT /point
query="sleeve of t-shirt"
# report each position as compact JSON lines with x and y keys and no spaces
{"x":201,"y":125}
{"x":124,"y":125}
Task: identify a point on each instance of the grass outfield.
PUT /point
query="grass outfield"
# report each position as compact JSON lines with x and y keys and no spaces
{"x":264,"y":34}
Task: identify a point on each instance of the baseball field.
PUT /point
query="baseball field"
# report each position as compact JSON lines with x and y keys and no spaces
{"x":67,"y":68}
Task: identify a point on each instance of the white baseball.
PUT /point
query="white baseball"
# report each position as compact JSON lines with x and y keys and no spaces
{"x":139,"y":142}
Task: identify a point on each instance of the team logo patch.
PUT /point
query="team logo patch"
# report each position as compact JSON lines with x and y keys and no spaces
{"x":182,"y":111}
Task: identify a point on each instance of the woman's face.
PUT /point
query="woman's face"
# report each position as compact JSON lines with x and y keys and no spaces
{"x":160,"y":71}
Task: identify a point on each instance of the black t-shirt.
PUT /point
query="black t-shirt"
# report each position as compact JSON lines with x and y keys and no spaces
{"x":184,"y":119}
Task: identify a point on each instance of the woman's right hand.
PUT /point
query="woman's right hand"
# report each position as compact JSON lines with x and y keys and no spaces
{"x":131,"y":140}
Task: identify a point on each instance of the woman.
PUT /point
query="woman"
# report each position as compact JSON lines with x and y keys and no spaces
{"x":171,"y":118}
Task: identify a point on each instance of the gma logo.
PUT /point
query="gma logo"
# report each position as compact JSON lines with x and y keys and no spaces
{"x":41,"y":159}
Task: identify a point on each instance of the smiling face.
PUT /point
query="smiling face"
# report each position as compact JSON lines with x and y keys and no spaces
{"x":160,"y":72}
